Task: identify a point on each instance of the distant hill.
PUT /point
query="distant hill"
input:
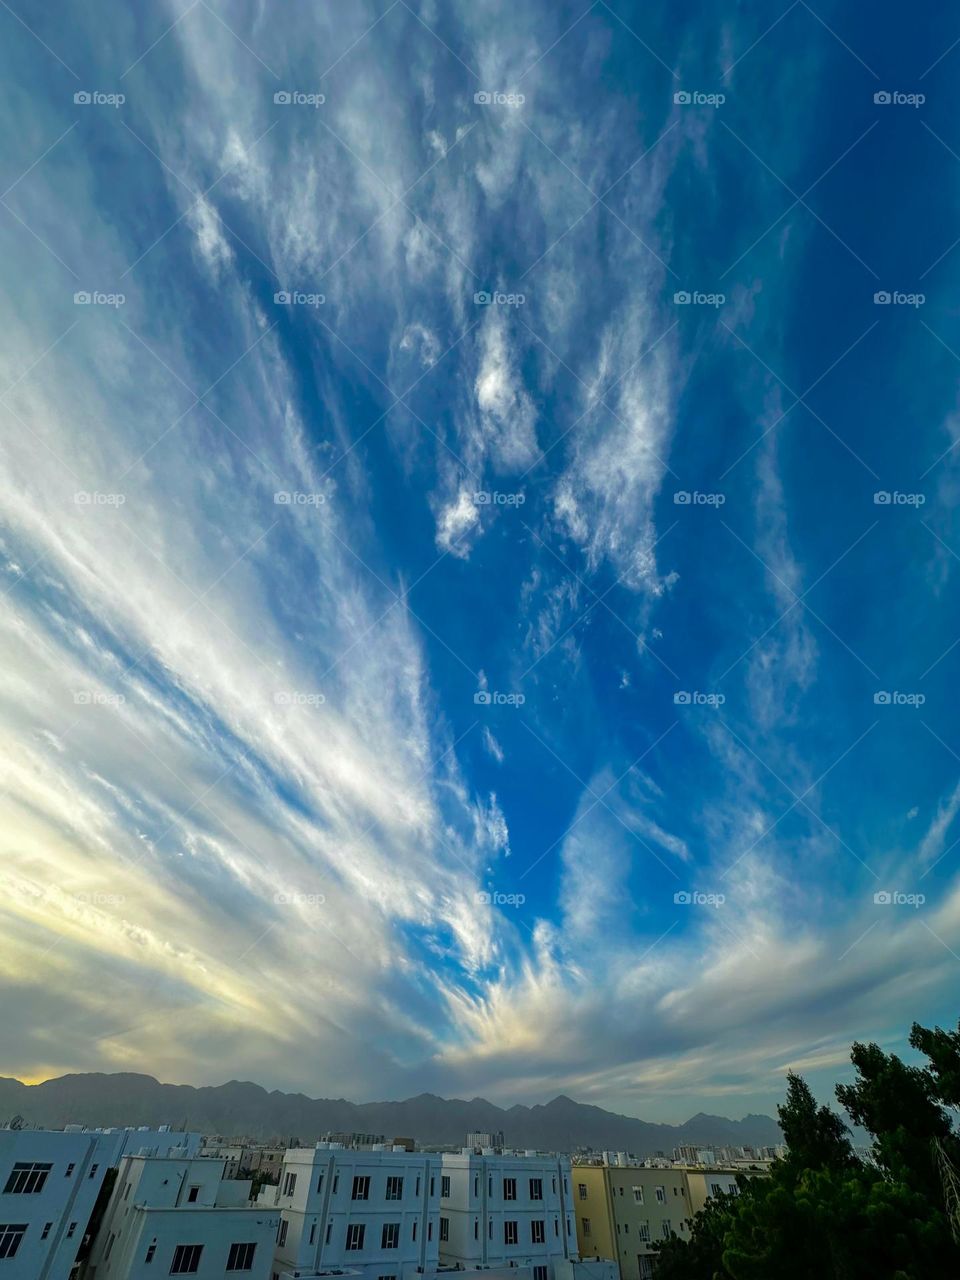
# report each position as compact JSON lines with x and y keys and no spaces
{"x":241,"y":1109}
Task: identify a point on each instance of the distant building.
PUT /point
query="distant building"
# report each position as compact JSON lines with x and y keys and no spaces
{"x":486,"y":1140}
{"x":373,"y":1213}
{"x":172,"y":1215}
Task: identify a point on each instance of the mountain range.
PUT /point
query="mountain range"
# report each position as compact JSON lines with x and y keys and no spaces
{"x":242,"y":1109}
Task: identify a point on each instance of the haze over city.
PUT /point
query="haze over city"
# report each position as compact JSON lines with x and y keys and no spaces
{"x":478,"y":546}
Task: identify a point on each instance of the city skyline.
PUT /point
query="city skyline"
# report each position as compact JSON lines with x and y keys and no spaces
{"x":478,"y":546}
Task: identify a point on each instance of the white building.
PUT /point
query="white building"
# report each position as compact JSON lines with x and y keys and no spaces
{"x":507,"y":1210}
{"x":176,"y":1215}
{"x":49,"y":1183}
{"x":371,"y":1212}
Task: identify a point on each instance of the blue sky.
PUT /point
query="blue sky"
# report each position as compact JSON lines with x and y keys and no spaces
{"x":403,"y":690}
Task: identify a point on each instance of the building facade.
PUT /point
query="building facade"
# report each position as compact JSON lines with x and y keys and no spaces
{"x":177,"y":1215}
{"x":506,"y":1210}
{"x":374,"y":1212}
{"x":622,"y":1210}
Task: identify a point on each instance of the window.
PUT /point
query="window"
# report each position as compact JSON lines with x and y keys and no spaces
{"x":313,"y":1232}
{"x":416,"y":1189}
{"x":26,"y":1179}
{"x":109,"y":1248}
{"x":193,"y":1195}
{"x":93,"y":1170}
{"x":490,"y":1229}
{"x":432,"y":1182}
{"x":554,"y":1186}
{"x":626,"y":1228}
{"x":538,"y":1231}
{"x":476,"y":1184}
{"x":70,"y":1230}
{"x":289,"y":1184}
{"x":511,"y":1234}
{"x":282,"y":1233}
{"x":715,"y":1188}
{"x":151,"y":1250}
{"x":638,"y":1194}
{"x":566,"y":1189}
{"x":582,"y":1189}
{"x":240,"y":1257}
{"x":70,"y":1169}
{"x":536,"y":1188}
{"x":646,"y":1266}
{"x":444,"y":1228}
{"x":326,"y":1238}
{"x":11,"y":1233}
{"x":476,"y":1229}
{"x":585,"y":1225}
{"x":186,"y":1259}
{"x":444,"y":1186}
{"x":361,"y":1189}
{"x":643,"y":1231}
{"x":386,"y":1278}
{"x":429,"y":1230}
{"x":355,"y":1235}
{"x":320,"y":1184}
{"x":46,"y":1230}
{"x":414,"y":1234}
{"x":620,"y":1190}
{"x":390,"y":1236}
{"x":489,"y":1184}
{"x":539,"y":1273}
{"x":336,"y":1182}
{"x":661,"y":1195}
{"x":666,"y":1230}
{"x":509,"y":1188}
{"x":394,"y":1188}
{"x":126,"y":1191}
{"x":556,"y":1226}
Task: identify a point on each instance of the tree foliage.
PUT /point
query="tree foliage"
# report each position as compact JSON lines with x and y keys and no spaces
{"x":825,"y":1214}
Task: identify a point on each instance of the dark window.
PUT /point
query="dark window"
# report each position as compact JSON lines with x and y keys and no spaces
{"x":390,"y":1236}
{"x":282,"y":1233}
{"x":320,"y":1184}
{"x":582,"y":1190}
{"x":476,"y":1229}
{"x":556,"y":1226}
{"x":538,"y":1231}
{"x":70,"y":1169}
{"x":429,"y":1230}
{"x":326,"y":1238}
{"x":192,"y":1195}
{"x":536,"y":1188}
{"x":444,"y":1228}
{"x":93,"y":1170}
{"x":539,"y":1273}
{"x":313,"y":1232}
{"x":394,"y":1188}
{"x":151,"y":1250}
{"x":431,"y":1186}
{"x":414,"y":1236}
{"x":11,"y":1233}
{"x":355,"y":1232}
{"x":445,"y":1186}
{"x":511,"y":1233}
{"x":71,"y":1229}
{"x":361,"y":1189}
{"x":186,"y":1259}
{"x":289,"y":1184}
{"x":109,"y":1248}
{"x":26,"y":1179}
{"x":336,"y":1182}
{"x":585,"y":1224}
{"x":509,"y":1188}
{"x":240,"y":1257}
{"x":46,"y":1230}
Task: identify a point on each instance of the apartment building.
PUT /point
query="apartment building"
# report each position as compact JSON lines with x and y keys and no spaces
{"x":506,"y":1210}
{"x":373,"y":1212}
{"x":49,"y":1183}
{"x":622,"y":1210}
{"x":704,"y":1184}
{"x":177,"y":1215}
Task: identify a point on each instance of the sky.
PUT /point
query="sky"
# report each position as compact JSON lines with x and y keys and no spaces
{"x":478,"y":544}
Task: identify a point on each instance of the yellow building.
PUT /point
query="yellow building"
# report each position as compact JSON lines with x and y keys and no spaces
{"x":620,"y":1212}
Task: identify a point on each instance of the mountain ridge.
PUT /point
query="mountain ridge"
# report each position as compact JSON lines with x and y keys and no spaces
{"x":243,"y":1108}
